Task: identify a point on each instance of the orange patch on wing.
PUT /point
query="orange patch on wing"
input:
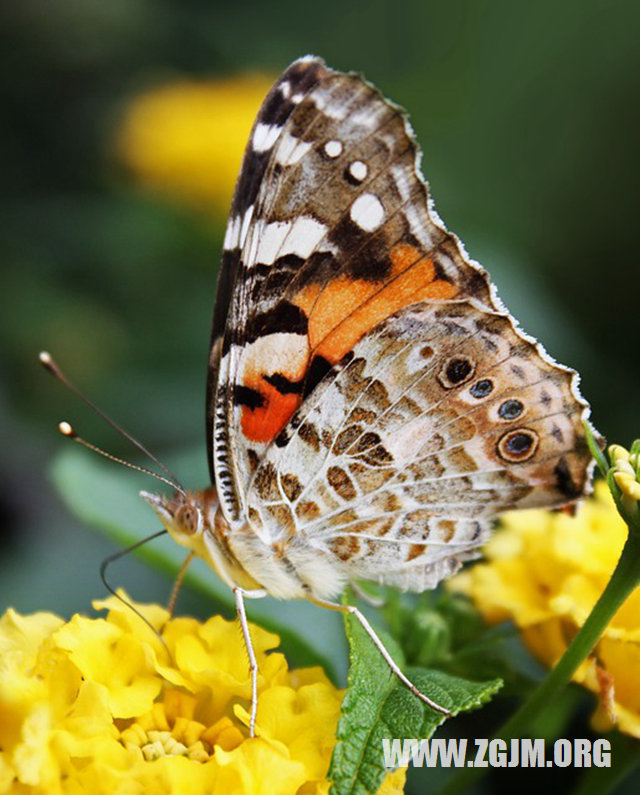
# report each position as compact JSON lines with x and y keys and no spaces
{"x":282,"y":354}
{"x":340,"y":313}
{"x":264,"y":423}
{"x":345,"y":309}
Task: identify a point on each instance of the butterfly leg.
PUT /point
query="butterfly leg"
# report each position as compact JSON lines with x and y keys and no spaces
{"x":239,"y":594}
{"x":382,"y":649}
{"x":360,"y":593}
{"x":178,"y":583}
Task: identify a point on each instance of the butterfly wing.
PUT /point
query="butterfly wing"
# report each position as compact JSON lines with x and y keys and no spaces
{"x":330,"y":233}
{"x":439,"y":419}
{"x":275,"y":111}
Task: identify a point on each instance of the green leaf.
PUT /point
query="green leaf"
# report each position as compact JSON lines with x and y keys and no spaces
{"x":444,"y":630}
{"x":105,"y":497}
{"x":378,"y":706}
{"x":594,"y":449}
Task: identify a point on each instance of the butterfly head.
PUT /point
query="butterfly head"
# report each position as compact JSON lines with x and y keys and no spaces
{"x":185,"y":516}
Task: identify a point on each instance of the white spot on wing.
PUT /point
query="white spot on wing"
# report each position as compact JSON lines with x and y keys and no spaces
{"x":275,"y":353}
{"x":264,"y":136}
{"x":290,"y":150}
{"x":232,"y":235}
{"x":285,"y":89}
{"x":271,"y":241}
{"x":402,"y":183}
{"x":323,"y":101}
{"x":368,"y":115}
{"x":333,"y":149}
{"x":367,"y":212}
{"x":358,"y":170}
{"x":246,"y":222}
{"x":418,"y":223}
{"x":416,"y":215}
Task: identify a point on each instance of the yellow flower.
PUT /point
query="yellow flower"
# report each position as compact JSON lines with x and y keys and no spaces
{"x":626,"y":470}
{"x":545,"y":571}
{"x":187,"y":138}
{"x":102,"y":706}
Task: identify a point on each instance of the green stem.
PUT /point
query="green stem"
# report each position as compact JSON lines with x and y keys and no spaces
{"x":624,"y":579}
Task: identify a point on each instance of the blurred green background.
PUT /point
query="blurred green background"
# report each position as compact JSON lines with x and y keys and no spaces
{"x":528,"y":116}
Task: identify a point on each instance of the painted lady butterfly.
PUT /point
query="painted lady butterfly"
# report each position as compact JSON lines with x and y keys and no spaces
{"x":371,"y":405}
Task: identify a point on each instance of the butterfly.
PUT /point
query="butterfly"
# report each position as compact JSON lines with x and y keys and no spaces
{"x":371,"y":404}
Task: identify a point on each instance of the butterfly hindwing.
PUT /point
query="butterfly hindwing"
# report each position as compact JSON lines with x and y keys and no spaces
{"x":439,"y":419}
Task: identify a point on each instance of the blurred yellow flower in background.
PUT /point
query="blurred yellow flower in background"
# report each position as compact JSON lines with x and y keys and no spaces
{"x":545,"y":571}
{"x":102,"y":706}
{"x":186,"y":138}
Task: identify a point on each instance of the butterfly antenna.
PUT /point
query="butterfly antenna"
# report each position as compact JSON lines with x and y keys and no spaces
{"x":66,"y":430}
{"x":48,"y":363}
{"x":103,"y":576}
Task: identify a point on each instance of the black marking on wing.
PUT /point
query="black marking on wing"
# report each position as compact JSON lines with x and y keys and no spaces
{"x":565,"y":482}
{"x":372,"y":263}
{"x":275,"y":110}
{"x":253,"y":167}
{"x":284,"y":317}
{"x":282,"y":439}
{"x":283,"y":384}
{"x":321,"y":267}
{"x":317,"y":370}
{"x":245,"y":396}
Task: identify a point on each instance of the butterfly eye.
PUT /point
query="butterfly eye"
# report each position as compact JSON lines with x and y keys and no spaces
{"x":188,"y":518}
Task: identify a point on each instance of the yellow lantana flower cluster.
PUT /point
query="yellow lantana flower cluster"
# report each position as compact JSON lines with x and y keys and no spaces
{"x":545,"y":571}
{"x":100,"y":705}
{"x":186,"y":138}
{"x":625,"y":468}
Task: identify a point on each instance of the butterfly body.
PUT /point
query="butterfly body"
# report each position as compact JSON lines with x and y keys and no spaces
{"x":242,"y":558}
